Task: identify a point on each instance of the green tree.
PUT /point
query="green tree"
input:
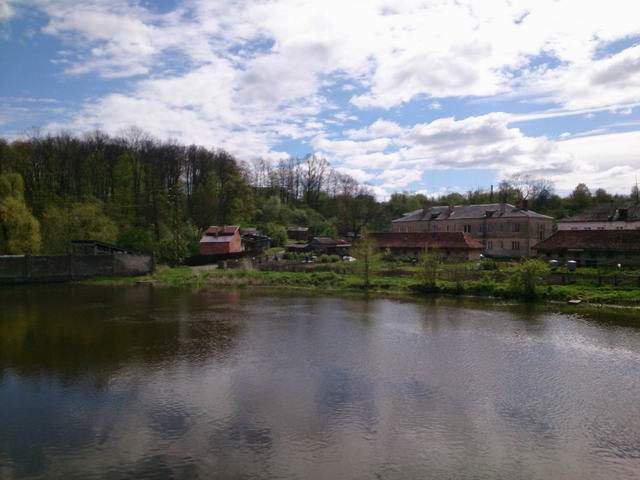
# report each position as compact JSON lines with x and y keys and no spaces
{"x":526,"y":277}
{"x":19,"y":229}
{"x":277,"y":233}
{"x":76,"y":221}
{"x":429,"y":265}
{"x":366,"y":254}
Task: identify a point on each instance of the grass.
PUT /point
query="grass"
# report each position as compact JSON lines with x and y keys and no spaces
{"x":385,"y":279}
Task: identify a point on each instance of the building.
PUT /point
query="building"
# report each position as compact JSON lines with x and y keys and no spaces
{"x":449,"y":245}
{"x":504,"y":230}
{"x":592,"y":247}
{"x":298,"y":234}
{"x":253,"y":240}
{"x":221,"y":240}
{"x":604,"y":217}
{"x":96,"y":247}
{"x":321,"y":245}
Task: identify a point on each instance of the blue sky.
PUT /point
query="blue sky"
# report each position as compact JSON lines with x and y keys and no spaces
{"x":404,"y":95}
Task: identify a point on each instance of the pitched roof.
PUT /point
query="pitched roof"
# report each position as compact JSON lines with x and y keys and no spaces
{"x":435,"y":240}
{"x":617,"y":240}
{"x":221,"y":230}
{"x":456,"y":212}
{"x":324,"y":240}
{"x":621,"y":212}
{"x":219,"y":234}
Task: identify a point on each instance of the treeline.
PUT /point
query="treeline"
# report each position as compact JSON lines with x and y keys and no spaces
{"x":158,"y":196}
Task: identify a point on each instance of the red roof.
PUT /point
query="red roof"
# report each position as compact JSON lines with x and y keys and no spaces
{"x":617,"y":240}
{"x":435,"y":240}
{"x":216,"y":230}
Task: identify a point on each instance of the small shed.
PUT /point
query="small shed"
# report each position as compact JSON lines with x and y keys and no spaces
{"x":218,"y":240}
{"x":298,"y":234}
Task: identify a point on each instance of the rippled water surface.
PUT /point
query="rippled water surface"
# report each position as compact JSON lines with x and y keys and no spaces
{"x":144,"y":382}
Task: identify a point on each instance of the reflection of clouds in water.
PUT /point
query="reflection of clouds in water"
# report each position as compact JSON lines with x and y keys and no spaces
{"x":323,"y":388}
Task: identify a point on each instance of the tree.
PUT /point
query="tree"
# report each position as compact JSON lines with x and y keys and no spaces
{"x":366,"y":253}
{"x":527,"y":276}
{"x":76,"y":221}
{"x":429,"y":264}
{"x":19,"y":229}
{"x":580,"y":198}
{"x":277,"y":233}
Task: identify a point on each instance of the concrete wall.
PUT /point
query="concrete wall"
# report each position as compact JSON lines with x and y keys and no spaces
{"x":60,"y":268}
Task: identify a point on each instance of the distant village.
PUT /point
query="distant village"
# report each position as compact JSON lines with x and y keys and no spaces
{"x":603,"y":235}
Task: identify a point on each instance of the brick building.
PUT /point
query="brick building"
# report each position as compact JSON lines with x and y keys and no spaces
{"x":592,"y":247}
{"x":449,"y":245}
{"x":504,"y":230}
{"x":221,"y":240}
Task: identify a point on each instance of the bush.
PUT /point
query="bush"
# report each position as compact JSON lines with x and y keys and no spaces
{"x":429,"y":263}
{"x":526,"y":277}
{"x":334,"y":258}
{"x":324,"y":258}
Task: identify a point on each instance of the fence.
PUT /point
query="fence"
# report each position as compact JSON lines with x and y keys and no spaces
{"x":61,"y":268}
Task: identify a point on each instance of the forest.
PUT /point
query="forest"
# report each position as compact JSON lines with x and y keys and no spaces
{"x":158,"y":196}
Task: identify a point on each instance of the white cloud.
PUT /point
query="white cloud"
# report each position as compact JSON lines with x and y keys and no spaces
{"x":6,"y":10}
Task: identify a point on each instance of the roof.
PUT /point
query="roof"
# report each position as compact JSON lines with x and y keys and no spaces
{"x":324,"y":240}
{"x":219,"y":234}
{"x":612,"y":212}
{"x":436,"y":240}
{"x":456,"y":212}
{"x":620,"y":240}
{"x":221,"y":230}
{"x":100,"y":244}
{"x":297,"y":229}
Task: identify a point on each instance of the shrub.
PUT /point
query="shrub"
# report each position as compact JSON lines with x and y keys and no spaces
{"x":324,"y":258}
{"x":526,"y":277}
{"x":429,"y":263}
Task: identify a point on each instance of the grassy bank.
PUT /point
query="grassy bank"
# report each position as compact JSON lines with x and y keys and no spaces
{"x":381,"y":281}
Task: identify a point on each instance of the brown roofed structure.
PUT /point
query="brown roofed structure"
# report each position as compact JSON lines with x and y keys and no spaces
{"x":453,"y":245}
{"x":606,"y":240}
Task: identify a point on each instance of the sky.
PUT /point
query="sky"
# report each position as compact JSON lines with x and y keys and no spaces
{"x":426,"y":96}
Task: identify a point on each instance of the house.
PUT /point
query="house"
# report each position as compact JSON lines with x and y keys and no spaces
{"x":504,"y":230}
{"x":592,"y":247}
{"x":298,"y":234}
{"x":449,"y":245}
{"x":624,"y":216}
{"x":218,"y":240}
{"x":321,"y":245}
{"x":254,"y":240}
{"x":328,"y":245}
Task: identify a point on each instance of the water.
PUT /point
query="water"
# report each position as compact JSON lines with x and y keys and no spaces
{"x":146,"y":382}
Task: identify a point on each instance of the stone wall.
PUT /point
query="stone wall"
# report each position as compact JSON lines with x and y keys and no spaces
{"x":61,"y":268}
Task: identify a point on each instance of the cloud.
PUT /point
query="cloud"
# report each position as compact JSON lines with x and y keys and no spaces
{"x":6,"y":10}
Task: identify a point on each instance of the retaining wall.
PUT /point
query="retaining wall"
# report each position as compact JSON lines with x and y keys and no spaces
{"x":62,"y":268}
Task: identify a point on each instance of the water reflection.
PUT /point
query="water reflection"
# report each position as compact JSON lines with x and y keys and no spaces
{"x":161,"y":383}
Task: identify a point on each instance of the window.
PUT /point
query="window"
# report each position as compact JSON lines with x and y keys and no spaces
{"x":467,"y":228}
{"x":619,"y":228}
{"x":515,"y":245}
{"x":587,"y":228}
{"x":501,"y":244}
{"x":515,"y":227}
{"x":489,"y":245}
{"x":434,"y":227}
{"x":447,"y":228}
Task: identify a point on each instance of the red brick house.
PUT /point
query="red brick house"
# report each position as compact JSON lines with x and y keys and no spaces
{"x":218,"y":240}
{"x":450,"y":245}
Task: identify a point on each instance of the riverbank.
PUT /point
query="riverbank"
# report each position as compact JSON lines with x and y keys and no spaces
{"x":327,"y":281}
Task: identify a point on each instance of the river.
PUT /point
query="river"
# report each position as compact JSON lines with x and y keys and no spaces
{"x":148,"y":382}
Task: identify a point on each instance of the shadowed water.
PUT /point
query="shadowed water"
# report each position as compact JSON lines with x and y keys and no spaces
{"x":146,"y":382}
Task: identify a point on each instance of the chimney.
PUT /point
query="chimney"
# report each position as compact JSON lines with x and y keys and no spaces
{"x":450,"y":210}
{"x":491,"y":195}
{"x":525,"y":204}
{"x":503,"y":207}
